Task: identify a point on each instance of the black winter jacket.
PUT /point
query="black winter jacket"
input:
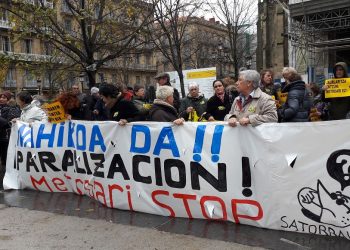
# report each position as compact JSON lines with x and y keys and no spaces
{"x":124,"y":109}
{"x":7,"y":113}
{"x":298,"y":104}
{"x":217,"y":108}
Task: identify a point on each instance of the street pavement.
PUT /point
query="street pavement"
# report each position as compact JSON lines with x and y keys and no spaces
{"x":28,"y":229}
{"x":39,"y":220}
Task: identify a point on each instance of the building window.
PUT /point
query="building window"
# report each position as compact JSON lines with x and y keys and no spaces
{"x":65,"y":7}
{"x":6,"y":44}
{"x":70,"y":81}
{"x":148,"y":59}
{"x":82,"y":4}
{"x":138,"y":79}
{"x":148,"y":80}
{"x":126,"y":79}
{"x":68,"y":25}
{"x":102,"y":77}
{"x":27,"y":46}
{"x":137,"y":58}
{"x":10,"y":78}
{"x":47,"y":48}
{"x":97,"y":10}
{"x":47,"y":79}
{"x":114,"y":78}
{"x":29,"y":80}
{"x":4,"y":15}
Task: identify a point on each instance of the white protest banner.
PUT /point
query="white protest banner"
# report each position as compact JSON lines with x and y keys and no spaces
{"x":292,"y":177}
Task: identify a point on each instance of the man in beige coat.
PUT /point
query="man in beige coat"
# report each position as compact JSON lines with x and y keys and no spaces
{"x":252,"y":106}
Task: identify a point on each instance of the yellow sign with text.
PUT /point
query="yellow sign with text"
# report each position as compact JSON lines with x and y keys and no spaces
{"x":339,"y":87}
{"x":201,"y":74}
{"x":55,"y":112}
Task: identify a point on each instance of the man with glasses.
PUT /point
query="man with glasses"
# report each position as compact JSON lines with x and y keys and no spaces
{"x":194,"y":104}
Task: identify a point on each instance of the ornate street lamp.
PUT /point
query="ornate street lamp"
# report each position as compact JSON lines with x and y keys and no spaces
{"x":220,"y":58}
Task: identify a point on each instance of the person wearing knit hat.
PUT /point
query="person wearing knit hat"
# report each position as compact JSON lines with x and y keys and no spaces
{"x":7,"y":113}
{"x":6,"y":94}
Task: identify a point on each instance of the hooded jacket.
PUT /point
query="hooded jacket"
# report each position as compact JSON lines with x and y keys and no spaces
{"x":344,"y":66}
{"x":31,"y":113}
{"x":339,"y":107}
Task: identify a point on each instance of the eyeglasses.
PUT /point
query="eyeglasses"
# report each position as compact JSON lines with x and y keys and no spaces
{"x":193,"y":89}
{"x":217,"y":86}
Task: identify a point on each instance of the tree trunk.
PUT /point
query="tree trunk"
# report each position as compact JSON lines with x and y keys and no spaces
{"x":182,"y":85}
{"x":92,"y":78}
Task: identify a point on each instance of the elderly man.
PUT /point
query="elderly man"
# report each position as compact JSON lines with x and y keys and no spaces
{"x":194,"y":104}
{"x":252,"y":106}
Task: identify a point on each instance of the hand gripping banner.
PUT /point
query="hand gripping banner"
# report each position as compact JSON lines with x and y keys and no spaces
{"x":292,"y":177}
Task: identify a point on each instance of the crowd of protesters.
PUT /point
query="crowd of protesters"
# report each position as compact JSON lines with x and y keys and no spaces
{"x":253,"y":99}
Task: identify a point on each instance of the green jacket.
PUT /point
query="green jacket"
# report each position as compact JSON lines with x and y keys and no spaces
{"x":198,"y":103}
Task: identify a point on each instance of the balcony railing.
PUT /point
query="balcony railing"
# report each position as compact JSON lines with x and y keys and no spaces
{"x":27,"y":57}
{"x":5,"y":24}
{"x":30,"y":83}
{"x":130,"y":66}
{"x":138,"y":66}
{"x":46,"y":3}
{"x":10,"y":84}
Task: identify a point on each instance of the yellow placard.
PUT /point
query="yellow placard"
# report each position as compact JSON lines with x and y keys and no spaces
{"x":55,"y":112}
{"x":201,"y":74}
{"x":147,"y":106}
{"x":339,"y":87}
{"x":193,"y":116}
{"x":282,"y":97}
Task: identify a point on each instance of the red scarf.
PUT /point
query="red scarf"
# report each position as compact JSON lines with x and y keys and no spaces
{"x":239,"y":102}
